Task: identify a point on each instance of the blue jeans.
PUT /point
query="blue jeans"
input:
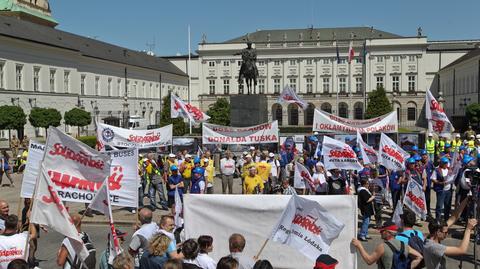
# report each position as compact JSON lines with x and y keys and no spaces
{"x":364,"y":228}
{"x":152,"y":194}
{"x":444,"y":204}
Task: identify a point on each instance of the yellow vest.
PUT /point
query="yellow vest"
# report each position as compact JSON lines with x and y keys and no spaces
{"x":456,"y":145}
{"x":471,"y":144}
{"x":441,"y":146}
{"x":430,"y":145}
{"x":187,"y":172}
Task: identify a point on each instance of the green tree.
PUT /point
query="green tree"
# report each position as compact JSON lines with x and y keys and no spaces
{"x":378,"y":104}
{"x":179,"y":127}
{"x":473,"y":113}
{"x":219,"y":112}
{"x":77,"y":117}
{"x":44,"y":117}
{"x":12,"y":117}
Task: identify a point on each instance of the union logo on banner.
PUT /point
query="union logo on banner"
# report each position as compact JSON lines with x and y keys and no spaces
{"x":415,"y":199}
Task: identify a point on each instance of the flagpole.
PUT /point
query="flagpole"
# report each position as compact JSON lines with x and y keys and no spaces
{"x":189,"y":78}
{"x":261,"y":249}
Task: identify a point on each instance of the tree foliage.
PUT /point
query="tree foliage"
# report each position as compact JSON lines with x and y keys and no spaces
{"x":179,"y":127}
{"x":473,"y":113}
{"x":219,"y":112}
{"x":12,"y":117}
{"x":77,"y":117}
{"x":378,"y":104}
{"x":44,"y":117}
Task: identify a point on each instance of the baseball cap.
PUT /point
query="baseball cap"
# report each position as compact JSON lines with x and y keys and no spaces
{"x":444,"y":160}
{"x":448,"y":145}
{"x":252,"y":148}
{"x":457,"y":135}
{"x":244,"y":153}
{"x":313,"y":138}
{"x":411,"y":160}
{"x":430,"y":134}
{"x":478,"y":135}
{"x":462,"y":147}
{"x":171,"y":155}
{"x":472,"y":136}
{"x":188,"y":156}
{"x":325,"y":261}
{"x":271,"y":155}
{"x":467,"y":159}
{"x":423,"y":152}
{"x":248,"y":156}
{"x":415,"y":148}
{"x":389,"y":226}
{"x":417,"y":157}
{"x":196,"y":160}
{"x":206,"y":160}
{"x":173,"y":168}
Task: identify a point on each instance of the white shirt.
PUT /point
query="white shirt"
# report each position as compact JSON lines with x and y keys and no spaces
{"x":12,"y":247}
{"x":244,"y":262}
{"x":448,"y":184}
{"x":205,"y":261}
{"x":275,"y":164}
{"x":320,"y":182}
{"x":227,"y":166}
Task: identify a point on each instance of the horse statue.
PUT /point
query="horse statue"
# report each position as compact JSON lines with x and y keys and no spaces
{"x":248,"y":70}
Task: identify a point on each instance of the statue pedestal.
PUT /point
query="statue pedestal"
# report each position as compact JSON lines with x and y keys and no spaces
{"x":248,"y":110}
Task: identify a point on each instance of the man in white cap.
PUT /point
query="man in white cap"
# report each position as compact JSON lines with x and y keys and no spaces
{"x":171,"y":160}
{"x":456,"y":143}
{"x":186,"y":170}
{"x":246,"y":166}
{"x":471,"y":143}
{"x":430,"y":146}
{"x":275,"y":171}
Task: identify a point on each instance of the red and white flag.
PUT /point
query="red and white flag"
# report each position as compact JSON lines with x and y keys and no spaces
{"x":178,"y":108}
{"x":391,"y":155}
{"x":369,"y":155}
{"x":302,"y":176}
{"x":101,"y":203}
{"x":339,"y":155}
{"x":415,"y":199}
{"x":289,"y":96}
{"x":438,"y":121}
{"x":305,"y":219}
{"x":48,"y":210}
{"x":351,"y":53}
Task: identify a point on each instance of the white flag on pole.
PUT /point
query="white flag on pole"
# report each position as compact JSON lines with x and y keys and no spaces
{"x":415,"y":199}
{"x":48,"y":210}
{"x":178,"y":108}
{"x":397,"y":213}
{"x":438,"y":121}
{"x":289,"y":96}
{"x":339,"y":155}
{"x":178,"y":209}
{"x":369,"y":155}
{"x":391,"y":155}
{"x":302,"y":176}
{"x":307,"y":227}
{"x":101,"y":203}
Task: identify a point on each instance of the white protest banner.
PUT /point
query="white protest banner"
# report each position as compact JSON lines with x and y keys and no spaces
{"x":307,"y":227}
{"x":329,"y":123}
{"x":120,"y":137}
{"x":211,"y":214}
{"x":302,"y":176}
{"x":76,"y":169}
{"x":391,"y":155}
{"x":32,"y":168}
{"x":178,"y":210}
{"x":437,"y":119}
{"x":289,"y":96}
{"x":415,"y":199}
{"x":217,"y":134}
{"x":338,"y":155}
{"x":369,"y":155}
{"x":101,"y":203}
{"x":396,"y":218}
{"x":123,"y":181}
{"x":178,"y":108}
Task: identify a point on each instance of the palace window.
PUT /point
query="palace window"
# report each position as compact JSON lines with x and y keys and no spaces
{"x":326,"y":85}
{"x":66,"y":81}
{"x":211,"y":86}
{"x":276,"y":85}
{"x":261,"y":86}
{"x":358,"y":85}
{"x":395,"y":83}
{"x":293,"y":83}
{"x":342,"y":85}
{"x":380,"y":82}
{"x":412,"y":83}
{"x":309,"y":85}
{"x":226,"y":86}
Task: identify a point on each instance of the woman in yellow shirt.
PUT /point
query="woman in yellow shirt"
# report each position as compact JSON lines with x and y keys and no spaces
{"x":252,"y":184}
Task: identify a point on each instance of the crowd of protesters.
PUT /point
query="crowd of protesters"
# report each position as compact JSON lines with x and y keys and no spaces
{"x":159,"y":245}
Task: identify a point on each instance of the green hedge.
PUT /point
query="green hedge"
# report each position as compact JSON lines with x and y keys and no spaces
{"x":89,"y":140}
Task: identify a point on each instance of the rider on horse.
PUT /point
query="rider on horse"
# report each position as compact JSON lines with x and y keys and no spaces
{"x":248,"y":70}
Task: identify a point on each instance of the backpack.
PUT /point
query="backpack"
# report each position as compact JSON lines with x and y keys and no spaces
{"x":415,"y":242}
{"x":400,"y":261}
{"x":90,"y":261}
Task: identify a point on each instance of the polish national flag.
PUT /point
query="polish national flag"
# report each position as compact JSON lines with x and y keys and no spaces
{"x":351,"y":53}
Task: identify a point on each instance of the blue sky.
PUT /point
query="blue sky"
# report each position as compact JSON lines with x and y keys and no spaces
{"x":135,"y":23}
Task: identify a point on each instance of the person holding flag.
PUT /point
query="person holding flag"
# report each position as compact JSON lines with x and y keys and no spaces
{"x":427,"y":168}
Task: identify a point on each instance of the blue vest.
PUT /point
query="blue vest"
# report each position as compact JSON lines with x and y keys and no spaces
{"x":174,"y":180}
{"x":195,"y":188}
{"x":438,"y":187}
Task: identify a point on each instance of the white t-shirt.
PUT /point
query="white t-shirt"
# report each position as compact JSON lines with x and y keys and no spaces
{"x":12,"y":247}
{"x":320,"y":182}
{"x":448,"y":184}
{"x":206,"y":262}
{"x":227,"y":166}
{"x":275,"y":164}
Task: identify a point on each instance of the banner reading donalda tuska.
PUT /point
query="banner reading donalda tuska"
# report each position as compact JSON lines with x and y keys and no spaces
{"x":329,"y":123}
{"x":217,"y":134}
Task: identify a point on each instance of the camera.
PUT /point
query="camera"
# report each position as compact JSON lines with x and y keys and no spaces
{"x":473,"y":176}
